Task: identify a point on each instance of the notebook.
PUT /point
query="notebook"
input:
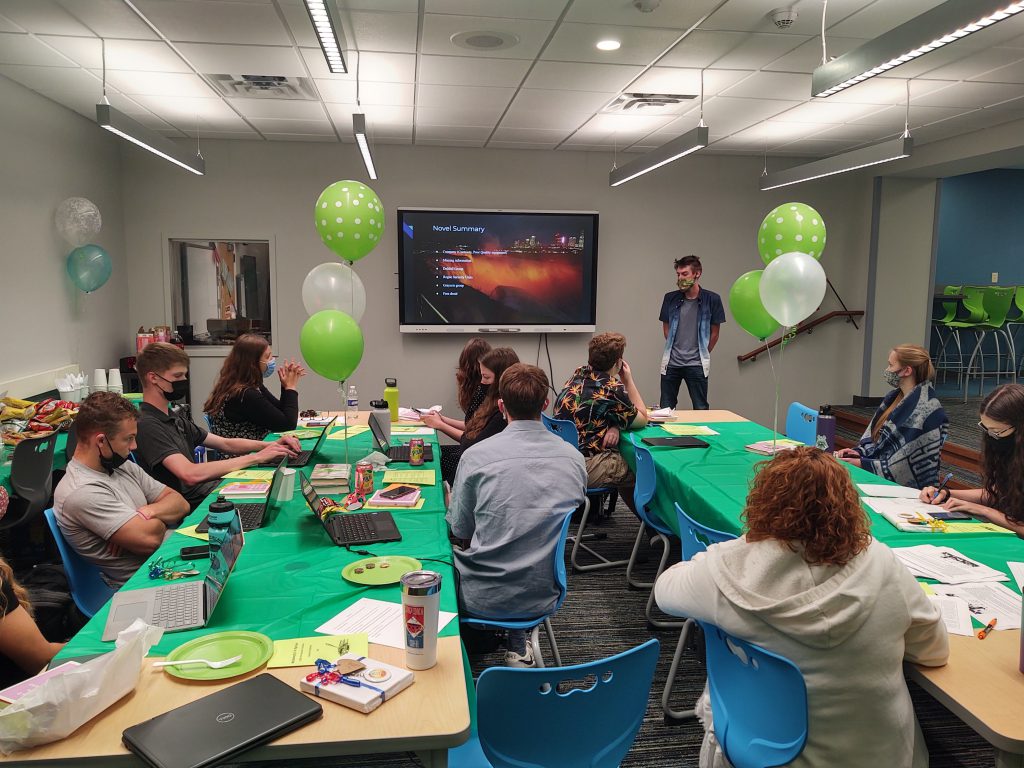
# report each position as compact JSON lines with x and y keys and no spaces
{"x":396,"y":452}
{"x":224,"y":724}
{"x":256,"y":514}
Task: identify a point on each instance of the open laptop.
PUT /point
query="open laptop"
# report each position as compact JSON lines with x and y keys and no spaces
{"x":349,"y":528}
{"x":302,"y":458}
{"x":178,"y":605}
{"x":258,"y":513}
{"x":396,"y":452}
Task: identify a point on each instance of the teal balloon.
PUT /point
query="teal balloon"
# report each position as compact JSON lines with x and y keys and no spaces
{"x":332,"y":344}
{"x":89,"y":267}
{"x":746,"y":306}
{"x":349,"y":219}
{"x":791,"y":228}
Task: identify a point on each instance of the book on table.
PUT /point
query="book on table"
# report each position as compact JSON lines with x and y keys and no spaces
{"x":771,"y":447}
{"x":328,"y":478}
{"x":408,"y":500}
{"x":245,"y":489}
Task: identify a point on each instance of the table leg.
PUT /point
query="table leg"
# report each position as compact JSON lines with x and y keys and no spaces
{"x":1009,"y":759}
{"x":438,"y":758}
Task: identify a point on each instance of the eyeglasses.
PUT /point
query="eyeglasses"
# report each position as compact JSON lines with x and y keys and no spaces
{"x":994,"y":432}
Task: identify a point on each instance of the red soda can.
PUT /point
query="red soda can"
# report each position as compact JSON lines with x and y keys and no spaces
{"x":364,"y":478}
{"x":416,"y":452}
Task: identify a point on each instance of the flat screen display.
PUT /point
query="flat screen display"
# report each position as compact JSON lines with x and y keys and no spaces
{"x":463,"y":271}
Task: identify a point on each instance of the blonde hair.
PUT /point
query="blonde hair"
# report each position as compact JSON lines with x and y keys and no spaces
{"x":920,"y":363}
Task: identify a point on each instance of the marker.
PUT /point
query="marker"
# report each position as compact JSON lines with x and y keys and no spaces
{"x":942,"y":485}
{"x":983,"y":633}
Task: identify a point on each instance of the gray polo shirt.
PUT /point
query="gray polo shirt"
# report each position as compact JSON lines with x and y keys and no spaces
{"x":511,"y":493}
{"x":92,"y":506}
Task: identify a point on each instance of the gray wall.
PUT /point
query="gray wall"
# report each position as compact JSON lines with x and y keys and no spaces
{"x":706,"y":205}
{"x":49,"y":153}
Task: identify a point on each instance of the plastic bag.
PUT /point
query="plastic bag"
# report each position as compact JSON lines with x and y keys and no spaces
{"x":62,"y":704}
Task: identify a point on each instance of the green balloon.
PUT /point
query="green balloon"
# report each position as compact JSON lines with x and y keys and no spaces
{"x":350,"y":219}
{"x":332,"y":344}
{"x":792,"y":227}
{"x":746,"y":306}
{"x":89,"y":267}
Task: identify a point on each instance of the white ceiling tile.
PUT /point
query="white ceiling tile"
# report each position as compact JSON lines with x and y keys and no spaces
{"x":463,"y":97}
{"x":559,"y":75}
{"x":43,"y":16}
{"x":438,"y":30}
{"x":526,"y":117}
{"x":529,"y":135}
{"x":110,"y":19}
{"x":452,"y":132}
{"x":139,"y":55}
{"x":807,"y":57}
{"x":758,"y":50}
{"x":973,"y":121}
{"x":448,"y":142}
{"x":159,"y":84}
{"x":444,"y":116}
{"x":280,"y":109}
{"x":754,"y":15}
{"x":853,"y":132}
{"x":774,"y":85}
{"x":459,"y":70}
{"x":385,"y":94}
{"x":627,"y":124}
{"x":27,"y":49}
{"x":298,"y":23}
{"x":880,"y":17}
{"x":1012,"y":104}
{"x":393,"y":6}
{"x":503,"y":9}
{"x":976,"y":65}
{"x":677,"y":15}
{"x":322,"y":138}
{"x":969,"y":95}
{"x":687,"y":81}
{"x":55,"y":78}
{"x":243,"y":59}
{"x":314,"y":127}
{"x":813,"y":148}
{"x":577,"y":42}
{"x":389,"y":32}
{"x":1012,"y":73}
{"x":372,"y":66}
{"x":772,"y":133}
{"x":229,"y":135}
{"x":700,"y":48}
{"x":727,"y":115}
{"x":176,"y":109}
{"x":520,"y":145}
{"x":826,"y":111}
{"x":9,"y":26}
{"x":539,"y":100}
{"x":216,"y":22}
{"x":884,"y":90}
{"x":385,"y":120}
{"x":893,"y":117}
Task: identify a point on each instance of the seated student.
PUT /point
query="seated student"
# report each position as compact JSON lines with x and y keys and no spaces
{"x":1001,"y":501}
{"x":240,"y":406}
{"x":486,"y":420}
{"x":511,"y":494}
{"x":601,"y":398}
{"x":905,"y":437}
{"x":110,"y":511}
{"x":23,"y":649}
{"x":809,"y":583}
{"x":167,"y":440}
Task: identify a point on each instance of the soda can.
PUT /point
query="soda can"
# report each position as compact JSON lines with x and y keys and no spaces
{"x":364,"y":478}
{"x":421,"y":595}
{"x":416,"y":452}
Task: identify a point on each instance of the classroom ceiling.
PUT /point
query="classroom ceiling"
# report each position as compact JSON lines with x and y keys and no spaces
{"x":176,"y":66}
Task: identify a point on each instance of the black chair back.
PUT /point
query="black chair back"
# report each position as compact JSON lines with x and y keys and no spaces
{"x":31,"y":480}
{"x":69,"y":449}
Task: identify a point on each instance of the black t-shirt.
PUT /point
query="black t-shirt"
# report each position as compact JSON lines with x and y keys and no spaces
{"x":495,"y":424}
{"x":260,"y":408}
{"x":10,"y":673}
{"x":162,"y":434}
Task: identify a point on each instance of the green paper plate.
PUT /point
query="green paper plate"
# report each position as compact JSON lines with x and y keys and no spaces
{"x":397,"y":566}
{"x":256,"y":650}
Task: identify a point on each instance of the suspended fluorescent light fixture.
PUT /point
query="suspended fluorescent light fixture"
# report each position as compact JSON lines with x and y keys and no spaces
{"x":691,"y":141}
{"x":359,"y":129}
{"x":119,"y":123}
{"x":933,"y":29}
{"x":327,"y":24}
{"x":885,"y":152}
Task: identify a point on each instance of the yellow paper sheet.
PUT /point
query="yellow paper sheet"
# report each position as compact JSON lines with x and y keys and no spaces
{"x":411,"y":429}
{"x":952,"y":527}
{"x":926,"y":587}
{"x":411,"y":476}
{"x":687,"y":430}
{"x":191,"y":531}
{"x":417,"y":505}
{"x":301,"y":434}
{"x":346,"y":432}
{"x":257,"y":475}
{"x":304,"y":651}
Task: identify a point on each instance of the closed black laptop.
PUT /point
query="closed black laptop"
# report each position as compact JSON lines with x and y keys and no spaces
{"x":683,"y":441}
{"x":222,"y":725}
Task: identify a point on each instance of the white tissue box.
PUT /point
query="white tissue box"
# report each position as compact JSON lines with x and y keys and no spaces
{"x":378,"y":683}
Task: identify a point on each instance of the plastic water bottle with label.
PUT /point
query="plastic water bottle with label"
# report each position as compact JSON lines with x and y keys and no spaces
{"x":352,"y":399}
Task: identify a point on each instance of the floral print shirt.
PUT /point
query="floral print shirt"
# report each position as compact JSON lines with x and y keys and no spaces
{"x":594,"y":401}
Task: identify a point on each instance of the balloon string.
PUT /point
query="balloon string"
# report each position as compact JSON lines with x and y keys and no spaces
{"x":344,"y":407}
{"x":788,"y":335}
{"x":775,"y":414}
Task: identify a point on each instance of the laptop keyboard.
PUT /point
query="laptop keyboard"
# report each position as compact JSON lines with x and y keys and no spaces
{"x":300,"y":459}
{"x":178,"y":605}
{"x":356,"y":528}
{"x":401,"y":453}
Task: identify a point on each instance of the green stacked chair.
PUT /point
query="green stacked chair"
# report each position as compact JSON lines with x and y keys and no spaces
{"x":971,"y":313}
{"x":949,"y":310}
{"x":1015,"y":319}
{"x":996,"y":302}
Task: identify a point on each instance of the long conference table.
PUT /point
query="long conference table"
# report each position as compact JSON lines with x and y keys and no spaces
{"x":287,"y":582}
{"x":981,"y":684}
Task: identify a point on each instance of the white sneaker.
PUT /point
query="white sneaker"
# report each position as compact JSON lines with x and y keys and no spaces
{"x":513,"y":659}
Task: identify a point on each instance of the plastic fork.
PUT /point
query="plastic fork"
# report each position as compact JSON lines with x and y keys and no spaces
{"x":207,"y":662}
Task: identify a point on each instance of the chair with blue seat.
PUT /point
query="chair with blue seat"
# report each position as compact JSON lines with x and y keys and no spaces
{"x":534,"y":624}
{"x":566,"y":430}
{"x":88,"y":589}
{"x":802,"y":423}
{"x":696,"y":538}
{"x":646,"y":486}
{"x":758,"y":701}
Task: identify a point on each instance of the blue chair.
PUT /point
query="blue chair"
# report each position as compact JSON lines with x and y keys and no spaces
{"x":470,"y":754}
{"x":646,"y":485}
{"x":758,"y":701}
{"x":583,"y":716}
{"x":88,"y":589}
{"x":696,"y":538}
{"x":802,"y":423}
{"x":566,"y":430}
{"x":534,"y":624}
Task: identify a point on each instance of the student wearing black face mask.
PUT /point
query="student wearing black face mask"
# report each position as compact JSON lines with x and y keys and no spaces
{"x":1001,"y":501}
{"x":167,"y":440}
{"x":109,"y":510}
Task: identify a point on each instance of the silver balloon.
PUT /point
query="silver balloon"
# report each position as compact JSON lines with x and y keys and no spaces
{"x":78,"y":221}
{"x":334,"y":286}
{"x":792,"y":287}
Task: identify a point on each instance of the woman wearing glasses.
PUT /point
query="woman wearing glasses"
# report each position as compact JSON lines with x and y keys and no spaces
{"x":1001,"y":501}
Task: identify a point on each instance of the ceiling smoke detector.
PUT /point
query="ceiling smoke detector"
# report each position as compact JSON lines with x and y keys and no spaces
{"x":487,"y":40}
{"x":650,"y":103}
{"x":783,"y":18}
{"x":646,"y":6}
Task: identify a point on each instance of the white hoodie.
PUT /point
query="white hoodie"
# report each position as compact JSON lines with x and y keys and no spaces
{"x":847,"y":628}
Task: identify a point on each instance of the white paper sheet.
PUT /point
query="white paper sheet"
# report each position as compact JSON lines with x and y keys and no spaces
{"x":1017,"y":569}
{"x":888,"y":491}
{"x":956,"y":614}
{"x":987,"y":601}
{"x":380,"y":620}
{"x":946,"y":565}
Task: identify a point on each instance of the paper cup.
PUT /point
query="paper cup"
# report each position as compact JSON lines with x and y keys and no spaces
{"x":286,"y":489}
{"x":71,"y":395}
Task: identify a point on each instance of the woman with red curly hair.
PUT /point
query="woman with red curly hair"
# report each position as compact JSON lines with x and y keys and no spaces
{"x":808,"y":582}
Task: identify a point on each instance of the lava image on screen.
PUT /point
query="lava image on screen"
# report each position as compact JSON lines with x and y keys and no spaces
{"x":467,"y":268}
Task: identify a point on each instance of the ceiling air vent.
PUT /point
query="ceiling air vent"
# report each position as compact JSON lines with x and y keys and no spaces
{"x":264,"y":86}
{"x":650,"y":103}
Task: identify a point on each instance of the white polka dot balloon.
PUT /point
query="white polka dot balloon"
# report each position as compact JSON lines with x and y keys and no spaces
{"x":350,"y":219}
{"x":789,"y":228}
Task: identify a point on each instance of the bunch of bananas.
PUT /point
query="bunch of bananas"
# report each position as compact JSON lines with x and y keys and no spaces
{"x":12,"y":408}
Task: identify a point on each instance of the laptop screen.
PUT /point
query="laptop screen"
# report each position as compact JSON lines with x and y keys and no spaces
{"x":323,"y":436}
{"x":272,"y":501}
{"x":222,"y":562}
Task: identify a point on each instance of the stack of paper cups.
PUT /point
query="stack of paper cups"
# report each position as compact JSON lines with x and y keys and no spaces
{"x":286,"y":488}
{"x":99,"y":380}
{"x":114,"y":381}
{"x":83,"y":391}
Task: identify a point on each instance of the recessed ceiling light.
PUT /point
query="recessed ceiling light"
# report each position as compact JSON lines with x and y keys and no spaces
{"x":609,"y":45}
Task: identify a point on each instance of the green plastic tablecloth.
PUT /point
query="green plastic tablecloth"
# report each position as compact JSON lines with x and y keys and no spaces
{"x":287,"y":580}
{"x":711,"y":485}
{"x":59,"y":462}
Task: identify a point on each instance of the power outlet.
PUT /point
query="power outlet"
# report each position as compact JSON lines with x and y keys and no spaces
{"x":995,"y":278}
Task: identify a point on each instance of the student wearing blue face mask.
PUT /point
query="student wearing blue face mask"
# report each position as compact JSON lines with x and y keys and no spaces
{"x":240,"y":404}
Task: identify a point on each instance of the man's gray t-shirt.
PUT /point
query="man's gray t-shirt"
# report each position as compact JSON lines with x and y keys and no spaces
{"x":92,"y":506}
{"x":684,"y":347}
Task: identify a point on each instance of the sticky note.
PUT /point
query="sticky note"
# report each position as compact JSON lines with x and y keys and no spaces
{"x":411,"y":476}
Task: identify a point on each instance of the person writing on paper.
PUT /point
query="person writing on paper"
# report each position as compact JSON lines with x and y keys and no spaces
{"x":510,"y":496}
{"x":240,"y":405}
{"x":110,"y":511}
{"x":904,"y":440}
{"x":23,"y":649}
{"x":167,"y":440}
{"x":808,"y":582}
{"x":1001,"y":501}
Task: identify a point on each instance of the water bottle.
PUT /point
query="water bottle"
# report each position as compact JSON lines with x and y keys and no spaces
{"x":220,"y":517}
{"x":352,"y":400}
{"x":826,"y":429}
{"x":381,"y":416}
{"x":391,"y":395}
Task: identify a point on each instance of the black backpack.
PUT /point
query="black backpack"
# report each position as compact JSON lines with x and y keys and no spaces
{"x":56,"y":614}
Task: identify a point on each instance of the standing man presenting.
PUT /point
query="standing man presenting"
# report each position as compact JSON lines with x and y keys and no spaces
{"x":690,"y":318}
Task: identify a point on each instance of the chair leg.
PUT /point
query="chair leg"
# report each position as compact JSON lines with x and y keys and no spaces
{"x":677,"y":715}
{"x":657,"y":623}
{"x":535,"y":644}
{"x":554,"y":644}
{"x":577,"y":544}
{"x":636,"y":584}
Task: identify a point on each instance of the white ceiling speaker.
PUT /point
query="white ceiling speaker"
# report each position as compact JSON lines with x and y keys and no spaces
{"x":783,"y":18}
{"x":485,"y":40}
{"x":646,"y":6}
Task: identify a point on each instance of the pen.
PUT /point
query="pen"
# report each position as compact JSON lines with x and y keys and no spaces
{"x":983,"y":633}
{"x":946,"y":479}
